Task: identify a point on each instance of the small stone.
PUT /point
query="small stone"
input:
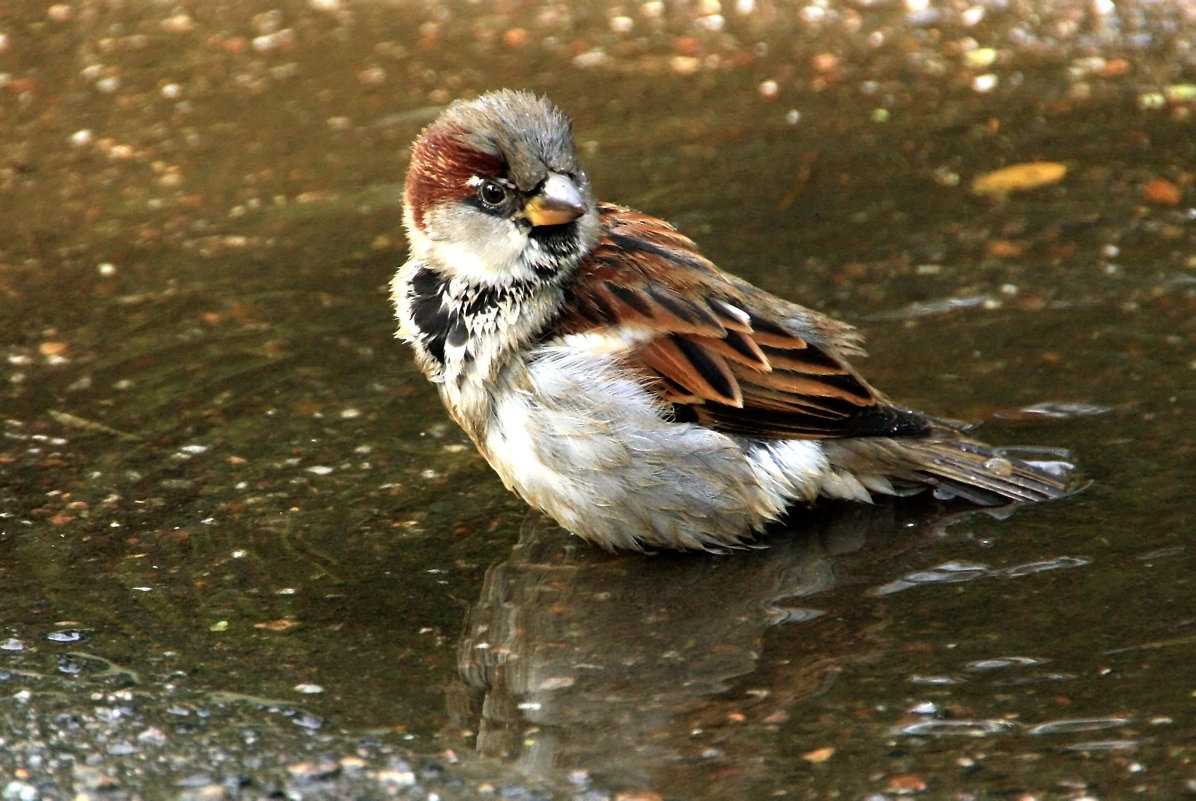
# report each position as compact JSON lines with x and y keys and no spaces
{"x":178,"y":23}
{"x":622,"y":24}
{"x":590,"y":59}
{"x":402,"y":778}
{"x":824,"y":62}
{"x":980,"y":58}
{"x":515,"y":37}
{"x":19,"y":791}
{"x":685,"y":65}
{"x":152,"y":735}
{"x":308,"y":772}
{"x":65,"y":635}
{"x":985,"y":83}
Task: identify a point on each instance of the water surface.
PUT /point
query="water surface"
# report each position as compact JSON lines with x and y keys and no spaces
{"x":223,"y":481}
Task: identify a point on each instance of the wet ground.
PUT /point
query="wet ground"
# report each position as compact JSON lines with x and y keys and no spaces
{"x":242,"y":551}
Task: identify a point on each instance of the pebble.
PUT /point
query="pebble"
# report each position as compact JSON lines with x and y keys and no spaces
{"x":20,"y":791}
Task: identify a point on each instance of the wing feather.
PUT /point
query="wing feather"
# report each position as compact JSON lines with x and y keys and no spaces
{"x":721,"y":351}
{"x":701,"y":371}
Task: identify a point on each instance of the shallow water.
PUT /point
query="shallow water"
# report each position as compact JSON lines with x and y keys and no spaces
{"x":220,"y":473}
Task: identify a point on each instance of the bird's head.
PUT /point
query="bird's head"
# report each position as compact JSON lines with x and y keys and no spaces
{"x":494,"y":194}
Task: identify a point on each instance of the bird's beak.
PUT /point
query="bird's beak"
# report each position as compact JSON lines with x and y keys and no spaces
{"x":557,"y":202}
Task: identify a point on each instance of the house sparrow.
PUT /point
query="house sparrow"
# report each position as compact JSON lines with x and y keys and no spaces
{"x":618,"y":380}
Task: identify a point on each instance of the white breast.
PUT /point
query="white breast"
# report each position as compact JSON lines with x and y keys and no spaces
{"x":578,"y":437}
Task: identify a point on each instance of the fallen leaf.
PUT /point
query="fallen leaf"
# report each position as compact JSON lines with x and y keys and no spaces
{"x":1018,"y":178}
{"x":51,"y":348}
{"x":1115,"y":67}
{"x":818,"y":755}
{"x":281,"y":624}
{"x":1161,"y":192}
{"x":907,"y":784}
{"x":1004,"y":249}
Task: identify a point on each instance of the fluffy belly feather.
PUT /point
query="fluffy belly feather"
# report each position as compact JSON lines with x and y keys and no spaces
{"x":578,"y":438}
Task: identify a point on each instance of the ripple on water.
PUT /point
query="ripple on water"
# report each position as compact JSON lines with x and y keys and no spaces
{"x":1043,"y":565}
{"x":1001,"y":662}
{"x":1069,"y":726}
{"x":954,"y":728}
{"x":1105,"y":745}
{"x":935,"y":681}
{"x":946,"y":573}
{"x":778,"y":615}
{"x":959,"y":572}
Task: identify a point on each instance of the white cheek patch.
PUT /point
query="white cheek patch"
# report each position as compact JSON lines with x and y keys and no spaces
{"x":474,"y":246}
{"x":488,"y":263}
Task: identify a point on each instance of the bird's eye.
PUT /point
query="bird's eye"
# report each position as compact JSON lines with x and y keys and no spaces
{"x":492,"y":193}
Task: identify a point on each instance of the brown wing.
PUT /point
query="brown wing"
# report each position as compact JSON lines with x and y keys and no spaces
{"x":722,"y":352}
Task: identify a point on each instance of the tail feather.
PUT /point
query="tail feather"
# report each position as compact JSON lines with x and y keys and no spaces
{"x":956,"y":467}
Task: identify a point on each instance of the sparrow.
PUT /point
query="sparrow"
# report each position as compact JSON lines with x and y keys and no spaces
{"x":619,"y":381}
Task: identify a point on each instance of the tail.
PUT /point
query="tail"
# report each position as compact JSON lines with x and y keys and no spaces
{"x":955,"y":467}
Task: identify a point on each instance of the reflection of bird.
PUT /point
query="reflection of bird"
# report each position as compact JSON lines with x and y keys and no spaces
{"x":618,"y":380}
{"x":573,"y":659}
{"x":568,"y":656}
